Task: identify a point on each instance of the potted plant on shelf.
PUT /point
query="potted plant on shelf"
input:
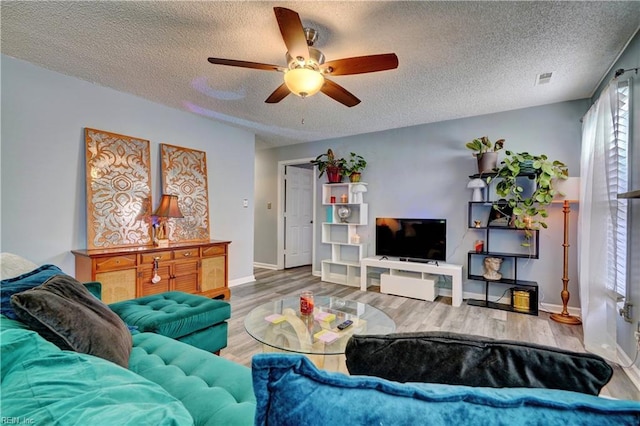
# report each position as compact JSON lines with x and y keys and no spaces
{"x":353,"y":167}
{"x":486,"y":153}
{"x":334,"y":167}
{"x":528,"y":212}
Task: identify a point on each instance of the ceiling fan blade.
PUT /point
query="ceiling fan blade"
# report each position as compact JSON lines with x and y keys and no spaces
{"x":361,"y":64}
{"x":339,"y":93}
{"x":292,"y":32}
{"x":279,"y":94}
{"x":245,"y":64}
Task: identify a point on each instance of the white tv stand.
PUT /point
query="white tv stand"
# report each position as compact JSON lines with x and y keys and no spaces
{"x":394,"y":265}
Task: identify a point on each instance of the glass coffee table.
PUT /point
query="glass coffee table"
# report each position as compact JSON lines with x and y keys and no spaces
{"x":280,"y":327}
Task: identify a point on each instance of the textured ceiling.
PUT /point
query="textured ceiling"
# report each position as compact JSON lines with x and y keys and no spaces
{"x":457,"y":59}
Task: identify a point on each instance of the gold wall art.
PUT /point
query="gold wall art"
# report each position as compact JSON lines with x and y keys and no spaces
{"x":184,"y":173}
{"x":118,"y":172}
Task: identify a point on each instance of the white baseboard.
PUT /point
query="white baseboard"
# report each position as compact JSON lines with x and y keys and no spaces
{"x":243,"y":280}
{"x":632,"y":372}
{"x":556,"y":309}
{"x":265,"y":266}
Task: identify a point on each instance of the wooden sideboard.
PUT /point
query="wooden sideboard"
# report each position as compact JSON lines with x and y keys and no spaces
{"x":127,"y":273}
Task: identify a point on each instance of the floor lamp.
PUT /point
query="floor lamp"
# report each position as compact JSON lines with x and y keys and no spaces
{"x":569,"y":193}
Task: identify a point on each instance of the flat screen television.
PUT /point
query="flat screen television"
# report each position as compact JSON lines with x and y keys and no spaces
{"x":412,"y":239}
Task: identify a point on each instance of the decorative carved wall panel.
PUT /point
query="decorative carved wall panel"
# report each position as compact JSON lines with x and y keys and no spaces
{"x":184,"y":173}
{"x":118,"y":190}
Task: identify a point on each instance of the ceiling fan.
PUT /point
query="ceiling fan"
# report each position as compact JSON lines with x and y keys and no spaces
{"x":306,"y":72}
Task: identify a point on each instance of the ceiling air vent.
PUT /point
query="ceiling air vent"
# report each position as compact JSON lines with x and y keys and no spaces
{"x":543,"y":78}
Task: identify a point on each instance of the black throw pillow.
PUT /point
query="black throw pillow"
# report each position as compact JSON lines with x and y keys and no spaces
{"x":459,"y":359}
{"x":64,"y":312}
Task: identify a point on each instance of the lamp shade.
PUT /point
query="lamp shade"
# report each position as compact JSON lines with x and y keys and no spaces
{"x":303,"y":81}
{"x":568,"y":190}
{"x":168,"y":207}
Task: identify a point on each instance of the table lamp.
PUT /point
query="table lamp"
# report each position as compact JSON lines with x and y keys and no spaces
{"x":168,"y":208}
{"x":569,"y":192}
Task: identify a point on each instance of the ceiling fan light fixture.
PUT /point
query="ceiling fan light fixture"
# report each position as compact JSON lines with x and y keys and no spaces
{"x":304,"y":81}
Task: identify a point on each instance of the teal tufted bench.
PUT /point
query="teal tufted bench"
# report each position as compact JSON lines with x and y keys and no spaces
{"x":192,"y":319}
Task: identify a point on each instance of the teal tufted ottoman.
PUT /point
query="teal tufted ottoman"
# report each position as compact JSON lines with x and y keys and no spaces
{"x":195,"y":320}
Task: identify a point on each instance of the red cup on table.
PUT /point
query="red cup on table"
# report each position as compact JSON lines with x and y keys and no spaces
{"x":306,"y":303}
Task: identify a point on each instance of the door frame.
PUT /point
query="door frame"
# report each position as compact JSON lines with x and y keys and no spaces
{"x":280,"y":213}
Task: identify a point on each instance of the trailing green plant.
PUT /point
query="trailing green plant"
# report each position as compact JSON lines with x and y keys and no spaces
{"x":328,"y":160}
{"x":355,"y":164}
{"x":528,"y":212}
{"x":483,"y":144}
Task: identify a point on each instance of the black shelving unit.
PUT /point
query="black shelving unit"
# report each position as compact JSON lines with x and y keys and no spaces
{"x":510,"y":278}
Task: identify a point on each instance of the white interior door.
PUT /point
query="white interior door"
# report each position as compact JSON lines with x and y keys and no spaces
{"x":298,"y":216}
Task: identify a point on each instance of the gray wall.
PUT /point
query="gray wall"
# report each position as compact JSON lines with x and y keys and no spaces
{"x":422,"y":171}
{"x":631,"y":59}
{"x":43,"y":210}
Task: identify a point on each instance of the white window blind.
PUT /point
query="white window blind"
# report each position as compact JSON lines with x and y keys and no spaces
{"x":618,"y":182}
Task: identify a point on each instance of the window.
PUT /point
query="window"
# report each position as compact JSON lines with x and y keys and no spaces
{"x":618,"y":182}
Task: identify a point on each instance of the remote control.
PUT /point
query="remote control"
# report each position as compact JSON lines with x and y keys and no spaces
{"x":345,"y":324}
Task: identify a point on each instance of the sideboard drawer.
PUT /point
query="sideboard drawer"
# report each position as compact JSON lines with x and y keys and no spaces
{"x":185,"y":253}
{"x":149,"y":258}
{"x":115,"y":262}
{"x":214,"y":250}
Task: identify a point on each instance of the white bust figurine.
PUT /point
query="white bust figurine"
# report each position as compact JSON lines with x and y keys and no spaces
{"x":491,"y":267}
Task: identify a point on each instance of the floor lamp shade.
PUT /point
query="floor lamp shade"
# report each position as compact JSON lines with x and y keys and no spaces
{"x":568,"y":192}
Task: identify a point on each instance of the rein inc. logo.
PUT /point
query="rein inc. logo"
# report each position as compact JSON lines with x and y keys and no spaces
{"x":16,"y":421}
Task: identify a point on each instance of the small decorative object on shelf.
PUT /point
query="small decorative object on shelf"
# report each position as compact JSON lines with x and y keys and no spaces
{"x":333,"y":200}
{"x":344,"y":198}
{"x":521,"y":299}
{"x":357,"y":191}
{"x":500,"y":214}
{"x":491,"y":268}
{"x":477,"y":185}
{"x":478,"y":246}
{"x":334,"y":167}
{"x":486,"y":153}
{"x":355,"y":239}
{"x":343,"y":213}
{"x":477,"y":223}
{"x":353,"y":167}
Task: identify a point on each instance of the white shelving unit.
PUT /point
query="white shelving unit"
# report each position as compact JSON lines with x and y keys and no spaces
{"x":348,"y":247}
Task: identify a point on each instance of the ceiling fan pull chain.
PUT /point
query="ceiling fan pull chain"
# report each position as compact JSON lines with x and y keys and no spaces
{"x":304,"y":110}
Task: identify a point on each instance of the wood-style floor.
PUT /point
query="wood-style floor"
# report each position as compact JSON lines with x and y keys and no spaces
{"x":409,"y":315}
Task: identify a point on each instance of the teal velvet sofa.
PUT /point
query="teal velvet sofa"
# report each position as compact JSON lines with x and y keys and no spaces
{"x":167,"y":383}
{"x":160,"y":381}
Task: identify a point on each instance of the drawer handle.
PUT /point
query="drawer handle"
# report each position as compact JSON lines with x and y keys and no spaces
{"x":187,"y":254}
